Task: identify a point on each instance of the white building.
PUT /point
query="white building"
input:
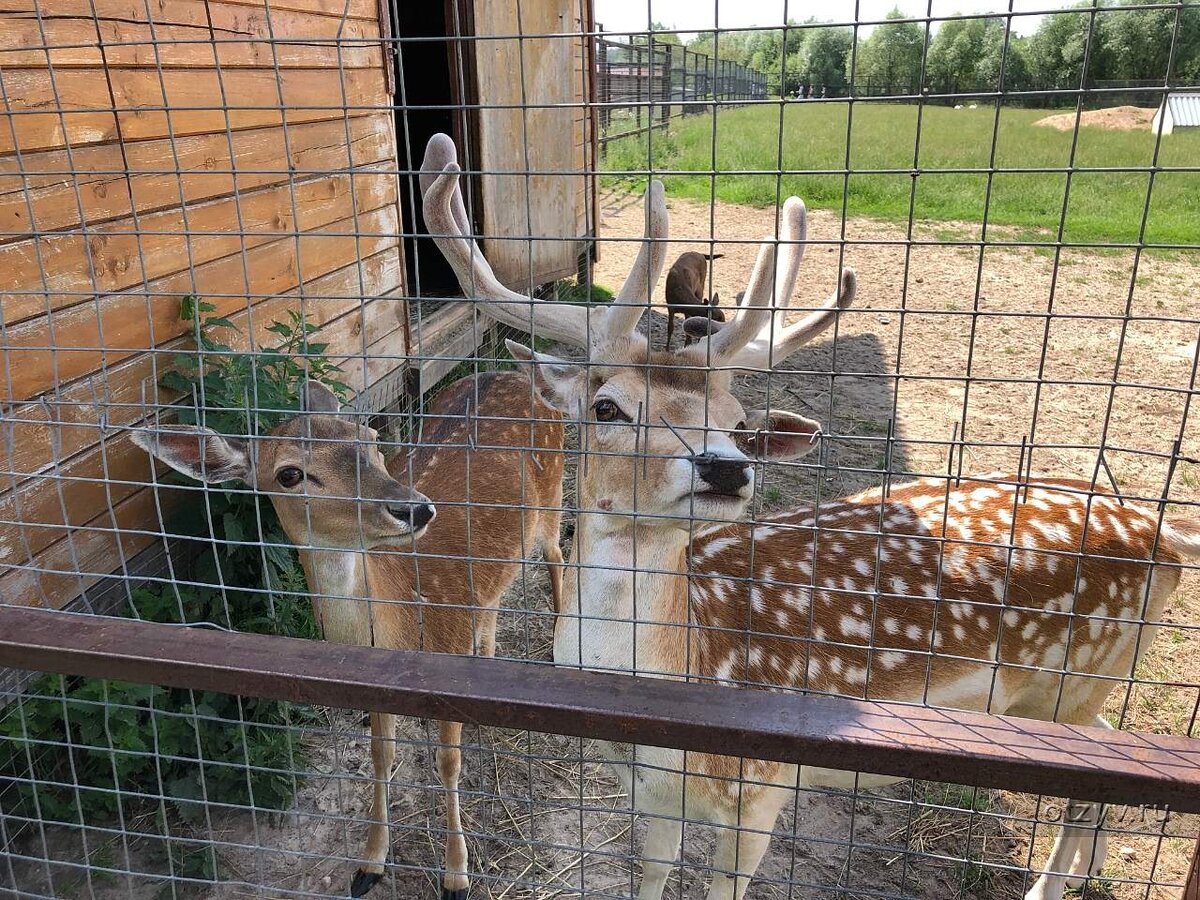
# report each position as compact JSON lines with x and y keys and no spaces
{"x":1179,"y":109}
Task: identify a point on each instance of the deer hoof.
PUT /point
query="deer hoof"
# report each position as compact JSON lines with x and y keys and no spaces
{"x":363,"y":882}
{"x":456,"y":894}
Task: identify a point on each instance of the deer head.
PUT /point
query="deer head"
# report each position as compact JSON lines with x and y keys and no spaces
{"x":323,"y":472}
{"x":662,"y":434}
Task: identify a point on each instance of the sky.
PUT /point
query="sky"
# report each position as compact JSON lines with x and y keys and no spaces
{"x":694,"y":15}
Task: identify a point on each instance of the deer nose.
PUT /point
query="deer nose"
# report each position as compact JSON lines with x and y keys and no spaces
{"x":415,"y":515}
{"x":723,"y":473}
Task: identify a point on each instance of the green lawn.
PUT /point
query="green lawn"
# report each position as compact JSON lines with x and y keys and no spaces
{"x":1103,"y":206}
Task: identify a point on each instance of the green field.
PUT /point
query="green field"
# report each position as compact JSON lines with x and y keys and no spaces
{"x":1103,"y":206}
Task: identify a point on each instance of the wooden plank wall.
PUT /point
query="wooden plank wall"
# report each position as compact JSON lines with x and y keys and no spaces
{"x":547,"y":75}
{"x":223,"y":148}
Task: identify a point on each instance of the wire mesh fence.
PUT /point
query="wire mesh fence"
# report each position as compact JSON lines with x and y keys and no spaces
{"x":932,"y":443}
{"x":633,"y":77}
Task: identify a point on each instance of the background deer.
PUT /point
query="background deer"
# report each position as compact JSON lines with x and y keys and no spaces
{"x":981,"y":594}
{"x":354,"y":522}
{"x":686,"y":282}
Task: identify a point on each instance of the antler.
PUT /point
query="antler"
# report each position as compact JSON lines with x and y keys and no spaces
{"x":774,"y":342}
{"x":446,"y":220}
{"x":626,"y":310}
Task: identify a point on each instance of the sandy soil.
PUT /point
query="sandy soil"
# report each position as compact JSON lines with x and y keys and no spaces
{"x":1118,"y":118}
{"x":935,"y":314}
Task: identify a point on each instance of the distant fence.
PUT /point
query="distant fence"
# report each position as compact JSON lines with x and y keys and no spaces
{"x":643,"y":85}
{"x":1096,"y":92}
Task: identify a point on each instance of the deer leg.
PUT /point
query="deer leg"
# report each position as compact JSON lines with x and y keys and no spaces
{"x":383,"y":755}
{"x":552,"y":553}
{"x":1093,"y":849}
{"x":1079,"y":850}
{"x":455,"y":883}
{"x":670,"y":327}
{"x":739,"y":851}
{"x":659,"y":852}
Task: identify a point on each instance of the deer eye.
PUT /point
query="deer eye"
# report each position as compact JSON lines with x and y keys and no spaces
{"x":289,"y":477}
{"x":608,"y":411}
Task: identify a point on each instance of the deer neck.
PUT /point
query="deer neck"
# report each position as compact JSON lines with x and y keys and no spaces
{"x":625,"y":597}
{"x":337,"y":579}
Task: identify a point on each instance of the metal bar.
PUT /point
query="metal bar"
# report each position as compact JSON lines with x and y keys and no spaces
{"x":1083,"y":763}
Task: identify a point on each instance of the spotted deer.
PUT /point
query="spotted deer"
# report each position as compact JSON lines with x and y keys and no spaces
{"x":490,"y":457}
{"x":991,"y":593}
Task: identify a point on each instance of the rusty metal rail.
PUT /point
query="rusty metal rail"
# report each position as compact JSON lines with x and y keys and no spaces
{"x":1084,"y":763}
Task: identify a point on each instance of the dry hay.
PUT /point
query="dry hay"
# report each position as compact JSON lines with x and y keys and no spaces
{"x":1115,"y":118}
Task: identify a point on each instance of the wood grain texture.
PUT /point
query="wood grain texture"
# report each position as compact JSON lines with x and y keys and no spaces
{"x":37,"y":436}
{"x":112,"y":182}
{"x":120,"y":325}
{"x":48,"y":110}
{"x":184,"y":33}
{"x":71,"y":566}
{"x":535,"y":72}
{"x":65,"y":269}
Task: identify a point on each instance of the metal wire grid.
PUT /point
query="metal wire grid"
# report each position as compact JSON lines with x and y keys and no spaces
{"x":922,"y":829}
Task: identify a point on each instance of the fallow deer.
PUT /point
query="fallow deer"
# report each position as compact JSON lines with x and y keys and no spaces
{"x":686,"y":282}
{"x":991,"y":593}
{"x":490,"y":457}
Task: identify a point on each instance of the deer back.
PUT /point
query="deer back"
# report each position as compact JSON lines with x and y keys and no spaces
{"x":976,"y":595}
{"x":492,"y":454}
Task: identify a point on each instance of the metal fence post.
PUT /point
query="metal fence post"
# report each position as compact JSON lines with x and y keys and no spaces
{"x":1191,"y":889}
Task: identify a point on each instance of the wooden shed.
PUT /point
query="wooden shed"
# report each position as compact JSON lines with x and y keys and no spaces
{"x":257,"y":155}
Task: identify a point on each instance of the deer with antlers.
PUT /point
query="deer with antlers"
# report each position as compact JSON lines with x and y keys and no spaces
{"x":989,"y":593}
{"x":490,"y":457}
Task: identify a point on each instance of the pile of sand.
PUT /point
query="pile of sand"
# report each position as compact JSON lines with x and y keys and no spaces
{"x":1119,"y":118}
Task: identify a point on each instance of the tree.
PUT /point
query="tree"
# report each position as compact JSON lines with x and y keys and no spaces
{"x":662,"y":35}
{"x":1016,"y":62}
{"x":955,"y":52}
{"x":1059,"y":46}
{"x":824,"y":58}
{"x":732,"y":45}
{"x":889,"y":61}
{"x":1137,"y":42}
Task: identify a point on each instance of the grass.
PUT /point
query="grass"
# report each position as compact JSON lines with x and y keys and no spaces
{"x":1103,"y":207}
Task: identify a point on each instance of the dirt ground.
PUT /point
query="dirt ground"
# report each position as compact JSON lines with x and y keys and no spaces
{"x":934,"y":314}
{"x":1118,"y":118}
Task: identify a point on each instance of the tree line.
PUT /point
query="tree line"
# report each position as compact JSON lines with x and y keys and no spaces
{"x":1125,"y":42}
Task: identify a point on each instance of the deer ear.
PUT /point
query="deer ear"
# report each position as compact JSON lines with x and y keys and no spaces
{"x":197,"y":452}
{"x":778,"y":435}
{"x":320,"y":399}
{"x":559,"y":383}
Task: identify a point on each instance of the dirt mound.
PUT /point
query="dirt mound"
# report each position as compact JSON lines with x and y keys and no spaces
{"x":1118,"y":118}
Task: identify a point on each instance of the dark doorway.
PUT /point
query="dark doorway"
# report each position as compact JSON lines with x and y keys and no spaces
{"x":428,"y":86}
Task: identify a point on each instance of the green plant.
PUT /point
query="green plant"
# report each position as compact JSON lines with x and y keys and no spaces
{"x":79,"y":750}
{"x":573,"y":291}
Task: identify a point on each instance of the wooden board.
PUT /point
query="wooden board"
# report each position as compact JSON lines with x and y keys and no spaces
{"x":71,"y":566}
{"x":535,"y":72}
{"x":135,"y":11}
{"x":151,"y":104}
{"x":184,"y":33}
{"x":120,"y":325}
{"x":112,"y":182}
{"x":80,"y":414}
{"x":61,"y":270}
